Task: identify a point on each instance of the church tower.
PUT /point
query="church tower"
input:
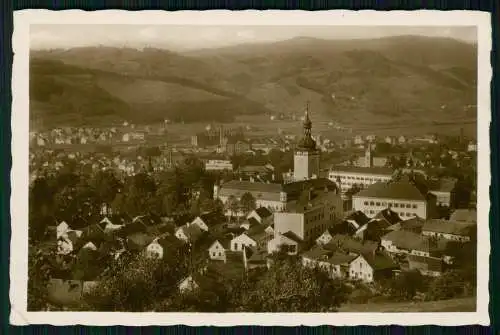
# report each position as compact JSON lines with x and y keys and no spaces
{"x":306,"y":158}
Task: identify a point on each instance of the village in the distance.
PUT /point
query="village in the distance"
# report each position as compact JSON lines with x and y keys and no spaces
{"x":229,"y":222}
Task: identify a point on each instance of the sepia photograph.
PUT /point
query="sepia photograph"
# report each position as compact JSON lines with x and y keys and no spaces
{"x":251,"y":163}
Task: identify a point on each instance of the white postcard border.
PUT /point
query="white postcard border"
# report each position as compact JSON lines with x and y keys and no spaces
{"x":20,"y":163}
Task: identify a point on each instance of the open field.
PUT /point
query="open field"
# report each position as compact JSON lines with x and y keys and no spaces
{"x":452,"y":305}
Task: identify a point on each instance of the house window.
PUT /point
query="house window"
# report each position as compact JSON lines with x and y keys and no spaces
{"x":414,"y":206}
{"x":396,"y":205}
{"x":372,"y":203}
{"x":408,"y":205}
{"x":213,"y":254}
{"x":220,"y":254}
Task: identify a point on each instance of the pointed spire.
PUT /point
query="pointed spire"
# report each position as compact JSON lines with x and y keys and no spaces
{"x":307,"y":120}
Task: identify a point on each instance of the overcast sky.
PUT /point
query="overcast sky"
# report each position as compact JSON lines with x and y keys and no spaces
{"x":198,"y":37}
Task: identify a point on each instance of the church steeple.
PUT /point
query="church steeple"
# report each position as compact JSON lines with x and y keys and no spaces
{"x":307,"y":122}
{"x":306,"y":157}
{"x":307,"y":143}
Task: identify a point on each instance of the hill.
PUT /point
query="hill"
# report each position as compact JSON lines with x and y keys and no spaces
{"x":360,"y":83}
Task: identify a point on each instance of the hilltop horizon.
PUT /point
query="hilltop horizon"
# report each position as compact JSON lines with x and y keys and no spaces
{"x":191,"y":38}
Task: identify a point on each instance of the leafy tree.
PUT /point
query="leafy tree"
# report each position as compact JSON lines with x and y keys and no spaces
{"x":106,"y":186}
{"x":406,"y":285}
{"x":232,"y":205}
{"x":447,"y":286}
{"x":248,"y":202}
{"x":39,"y":272}
{"x":136,"y":284}
{"x":290,"y":287}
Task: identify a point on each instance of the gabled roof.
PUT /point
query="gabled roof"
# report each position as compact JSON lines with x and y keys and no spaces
{"x":253,"y":221}
{"x":400,"y":190}
{"x":379,"y":261}
{"x":449,"y":227}
{"x":224,"y":241}
{"x":317,"y":252}
{"x":405,"y":239}
{"x":341,"y":258}
{"x":256,"y":230}
{"x":426,"y":263}
{"x":263,"y":212}
{"x":348,"y":244}
{"x":389,"y":215}
{"x":464,"y":215}
{"x":292,"y":236}
{"x":412,"y":224}
{"x":359,"y":217}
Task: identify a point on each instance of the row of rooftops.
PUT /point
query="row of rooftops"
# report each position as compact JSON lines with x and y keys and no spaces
{"x":292,"y":190}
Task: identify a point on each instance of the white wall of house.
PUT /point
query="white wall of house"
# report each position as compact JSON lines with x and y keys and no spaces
{"x":180,"y":235}
{"x":442,"y":198}
{"x":275,"y":245}
{"x":217,"y":252}
{"x":451,"y":237}
{"x":187,"y":284}
{"x":360,"y":269}
{"x":239,"y":242}
{"x":404,"y":208}
{"x":62,"y":229}
{"x":349,"y":179}
{"x":324,"y":238}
